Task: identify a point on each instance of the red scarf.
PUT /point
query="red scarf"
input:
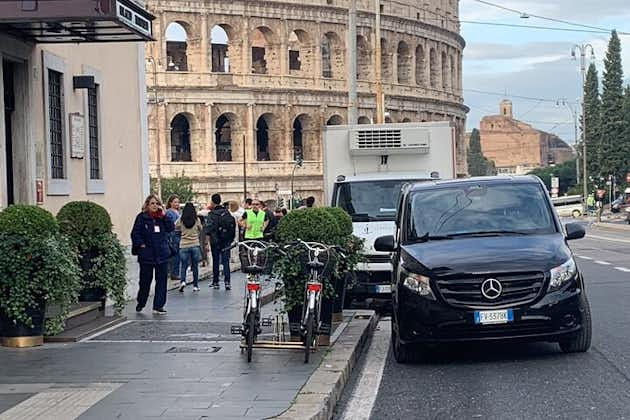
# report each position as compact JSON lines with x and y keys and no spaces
{"x":156,"y":215}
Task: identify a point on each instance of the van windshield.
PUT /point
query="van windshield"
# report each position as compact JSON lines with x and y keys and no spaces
{"x":368,"y":201}
{"x":479,"y":209}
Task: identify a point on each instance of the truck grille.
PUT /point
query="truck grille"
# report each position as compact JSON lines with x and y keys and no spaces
{"x":465,"y":291}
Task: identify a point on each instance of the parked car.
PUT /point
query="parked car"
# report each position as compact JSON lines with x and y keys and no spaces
{"x":484,"y":259}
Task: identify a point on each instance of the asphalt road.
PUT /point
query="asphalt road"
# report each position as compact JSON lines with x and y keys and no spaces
{"x":514,"y":381}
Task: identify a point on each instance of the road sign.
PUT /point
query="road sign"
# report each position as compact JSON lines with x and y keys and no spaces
{"x":555,"y":182}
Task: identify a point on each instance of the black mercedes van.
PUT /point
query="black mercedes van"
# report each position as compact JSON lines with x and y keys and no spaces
{"x":484,"y":259}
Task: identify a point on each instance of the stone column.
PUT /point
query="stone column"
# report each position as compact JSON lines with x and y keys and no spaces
{"x":203,"y":50}
{"x":284,"y":54}
{"x":209,"y":148}
{"x":317,"y":60}
{"x":286,"y":139}
{"x":164,"y":135}
{"x":250,"y":137}
{"x":246,"y":56}
{"x":395,"y":67}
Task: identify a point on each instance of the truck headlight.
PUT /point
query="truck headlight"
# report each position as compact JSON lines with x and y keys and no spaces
{"x":419,"y":284}
{"x":562,"y":274}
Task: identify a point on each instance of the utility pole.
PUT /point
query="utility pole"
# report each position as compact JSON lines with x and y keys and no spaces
{"x":244,"y":168}
{"x":158,"y":181}
{"x":582,"y":49}
{"x":351,"y":58}
{"x":380,"y":97}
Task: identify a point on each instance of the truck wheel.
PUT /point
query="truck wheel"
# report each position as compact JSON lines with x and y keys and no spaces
{"x":581,"y":342}
{"x":402,"y":352}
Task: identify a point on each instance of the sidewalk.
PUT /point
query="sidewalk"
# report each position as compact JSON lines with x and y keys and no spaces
{"x":184,"y":365}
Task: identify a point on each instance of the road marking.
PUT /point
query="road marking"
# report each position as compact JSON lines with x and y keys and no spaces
{"x":602,"y":263}
{"x":625,"y":270}
{"x":362,"y":400}
{"x":607,"y":239}
{"x":62,"y":403}
{"x":585,"y":258}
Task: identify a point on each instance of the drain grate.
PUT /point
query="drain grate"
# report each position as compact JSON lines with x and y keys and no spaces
{"x":193,"y":349}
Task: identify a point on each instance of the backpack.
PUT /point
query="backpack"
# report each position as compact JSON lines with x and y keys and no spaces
{"x":224,"y":226}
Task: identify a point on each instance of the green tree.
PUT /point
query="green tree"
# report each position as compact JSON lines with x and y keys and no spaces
{"x":592,"y":110}
{"x":180,"y":185}
{"x":612,"y":142}
{"x":565,"y":172}
{"x":478,"y":165}
{"x":626,"y":137}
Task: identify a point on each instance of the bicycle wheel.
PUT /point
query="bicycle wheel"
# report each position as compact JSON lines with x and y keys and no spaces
{"x":251,"y":333}
{"x":310,"y":321}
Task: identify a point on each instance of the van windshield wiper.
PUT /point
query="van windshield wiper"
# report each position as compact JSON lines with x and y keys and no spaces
{"x":428,"y":237}
{"x":487,"y":233}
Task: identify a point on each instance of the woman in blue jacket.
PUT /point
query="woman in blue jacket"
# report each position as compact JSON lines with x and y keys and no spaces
{"x":149,"y":239}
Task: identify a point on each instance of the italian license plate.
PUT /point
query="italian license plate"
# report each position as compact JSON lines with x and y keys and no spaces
{"x":383,"y":288}
{"x":494,"y":317}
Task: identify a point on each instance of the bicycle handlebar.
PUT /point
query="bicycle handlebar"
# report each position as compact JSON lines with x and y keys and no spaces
{"x":263,"y":246}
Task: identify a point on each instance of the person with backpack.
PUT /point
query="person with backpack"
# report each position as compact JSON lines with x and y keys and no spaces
{"x":221,"y":228}
{"x":189,"y":248}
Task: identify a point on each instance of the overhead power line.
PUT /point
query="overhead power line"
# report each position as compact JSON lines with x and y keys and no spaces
{"x":506,"y":95}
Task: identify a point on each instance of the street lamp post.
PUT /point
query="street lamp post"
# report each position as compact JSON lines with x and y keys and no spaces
{"x":582,"y":50}
{"x":298,"y":163}
{"x":158,"y":181}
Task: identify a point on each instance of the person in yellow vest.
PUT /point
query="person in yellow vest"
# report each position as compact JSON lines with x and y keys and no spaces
{"x":254,"y":221}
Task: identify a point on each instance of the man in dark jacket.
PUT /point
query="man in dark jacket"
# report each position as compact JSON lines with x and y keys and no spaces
{"x":150,"y":242}
{"x":221,"y":228}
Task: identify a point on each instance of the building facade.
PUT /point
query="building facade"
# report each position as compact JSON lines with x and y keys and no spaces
{"x":517,"y":147}
{"x":248,"y":86}
{"x":73,"y":106}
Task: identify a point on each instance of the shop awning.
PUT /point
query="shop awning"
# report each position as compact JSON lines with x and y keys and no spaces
{"x":59,"y":21}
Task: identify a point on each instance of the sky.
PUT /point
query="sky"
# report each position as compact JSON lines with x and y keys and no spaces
{"x":537,"y":64}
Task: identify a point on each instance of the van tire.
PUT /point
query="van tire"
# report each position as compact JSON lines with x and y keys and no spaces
{"x":403,"y":353}
{"x":580,"y":342}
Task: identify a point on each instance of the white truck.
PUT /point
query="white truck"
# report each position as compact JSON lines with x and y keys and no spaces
{"x":365,"y":169}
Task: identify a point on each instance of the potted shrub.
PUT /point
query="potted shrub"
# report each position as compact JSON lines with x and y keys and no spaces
{"x":38,"y":267}
{"x":316,"y":225}
{"x":102,"y":262}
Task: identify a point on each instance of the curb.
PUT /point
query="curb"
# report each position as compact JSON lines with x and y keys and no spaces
{"x":319,"y":396}
{"x":612,"y":226}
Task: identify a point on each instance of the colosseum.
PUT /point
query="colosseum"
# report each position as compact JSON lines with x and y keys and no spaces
{"x":245,"y":87}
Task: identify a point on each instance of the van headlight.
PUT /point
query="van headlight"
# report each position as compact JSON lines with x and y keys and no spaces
{"x":419,"y":284}
{"x":562,"y":274}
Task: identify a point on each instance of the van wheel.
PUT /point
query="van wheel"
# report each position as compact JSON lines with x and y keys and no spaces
{"x":581,"y":342}
{"x":402,"y":352}
{"x":576,"y":214}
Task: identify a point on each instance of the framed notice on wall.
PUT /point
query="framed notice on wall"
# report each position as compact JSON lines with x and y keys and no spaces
{"x":77,"y":135}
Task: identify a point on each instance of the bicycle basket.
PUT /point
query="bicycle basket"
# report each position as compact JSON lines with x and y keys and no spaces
{"x":325,"y":257}
{"x":254,"y":264}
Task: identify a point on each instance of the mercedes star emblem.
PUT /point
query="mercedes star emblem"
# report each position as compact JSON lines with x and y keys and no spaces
{"x":491,"y":289}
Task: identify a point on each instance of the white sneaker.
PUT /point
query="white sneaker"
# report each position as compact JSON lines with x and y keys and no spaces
{"x":195,"y":289}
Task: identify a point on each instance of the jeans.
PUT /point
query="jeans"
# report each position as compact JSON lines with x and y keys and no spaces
{"x":146,"y":277}
{"x":190,"y":255}
{"x":174,"y":261}
{"x":220,"y":255}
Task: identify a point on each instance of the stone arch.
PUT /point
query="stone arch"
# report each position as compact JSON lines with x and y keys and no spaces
{"x":305,"y":138}
{"x":332,"y":55}
{"x":178,"y":52}
{"x":364,"y":120}
{"x":405,"y":120}
{"x":453,"y":72}
{"x":220,"y":38}
{"x":180,"y":138}
{"x":301,"y":52}
{"x":265,"y":51}
{"x":404,"y":63}
{"x":445,"y":74}
{"x":364,"y":58}
{"x":420,"y":66}
{"x":386,"y":61}
{"x":335,"y":119}
{"x":269,"y":138}
{"x":434,"y":71}
{"x":224,"y":136}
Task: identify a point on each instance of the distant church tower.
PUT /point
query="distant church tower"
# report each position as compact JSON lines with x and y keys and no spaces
{"x":506,"y":108}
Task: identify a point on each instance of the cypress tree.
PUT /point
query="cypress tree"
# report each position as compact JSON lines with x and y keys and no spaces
{"x":626,"y":137}
{"x":612,"y":119}
{"x":478,"y":165}
{"x":592,"y":109}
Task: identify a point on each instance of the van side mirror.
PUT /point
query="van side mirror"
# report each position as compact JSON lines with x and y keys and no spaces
{"x":385,"y":244}
{"x":575,"y":231}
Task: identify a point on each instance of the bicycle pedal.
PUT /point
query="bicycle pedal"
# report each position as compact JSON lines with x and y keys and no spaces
{"x":236,"y":329}
{"x":267,"y":322}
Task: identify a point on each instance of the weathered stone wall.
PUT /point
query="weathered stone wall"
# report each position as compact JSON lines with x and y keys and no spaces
{"x":286,"y":68}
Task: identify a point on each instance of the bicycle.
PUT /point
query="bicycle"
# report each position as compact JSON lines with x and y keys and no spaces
{"x":317,"y":259}
{"x":254,"y":262}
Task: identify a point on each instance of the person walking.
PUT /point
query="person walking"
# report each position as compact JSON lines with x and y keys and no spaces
{"x":172,"y":212}
{"x":150,"y":242}
{"x":221,"y":228}
{"x":255,"y":221}
{"x":189,"y":247}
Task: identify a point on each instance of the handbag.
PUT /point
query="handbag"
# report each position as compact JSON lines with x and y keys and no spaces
{"x":173,"y":249}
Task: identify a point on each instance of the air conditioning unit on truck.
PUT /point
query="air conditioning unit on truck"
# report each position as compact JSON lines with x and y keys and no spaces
{"x":365,"y":169}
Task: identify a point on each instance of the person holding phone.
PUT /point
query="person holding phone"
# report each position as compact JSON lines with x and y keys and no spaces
{"x":149,"y":239}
